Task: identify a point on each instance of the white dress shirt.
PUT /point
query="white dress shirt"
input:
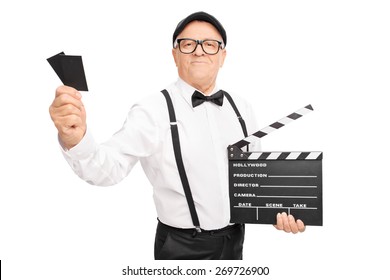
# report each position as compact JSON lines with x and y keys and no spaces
{"x":205,"y":133}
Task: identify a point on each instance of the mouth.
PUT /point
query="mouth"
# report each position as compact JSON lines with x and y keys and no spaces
{"x":198,"y":62}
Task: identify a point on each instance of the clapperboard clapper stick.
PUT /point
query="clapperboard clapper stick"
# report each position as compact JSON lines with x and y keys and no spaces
{"x":262,"y":184}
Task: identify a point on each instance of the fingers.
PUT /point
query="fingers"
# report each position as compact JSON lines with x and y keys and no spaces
{"x":288,"y":224}
{"x":67,"y":90}
{"x":283,"y":222}
{"x":67,"y":95}
{"x":68,"y":114}
{"x":65,"y":109}
{"x":301,"y":226}
{"x":67,"y":102}
{"x":293,"y":224}
{"x":279,"y":222}
{"x":67,"y":123}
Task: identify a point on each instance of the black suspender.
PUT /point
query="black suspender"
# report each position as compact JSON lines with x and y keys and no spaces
{"x":240,"y":119}
{"x":178,"y":156}
{"x":179,"y":161}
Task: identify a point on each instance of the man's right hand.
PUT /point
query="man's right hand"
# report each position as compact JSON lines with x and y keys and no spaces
{"x":68,"y":114}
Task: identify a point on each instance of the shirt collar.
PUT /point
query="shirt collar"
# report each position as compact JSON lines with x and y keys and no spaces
{"x":187,"y":90}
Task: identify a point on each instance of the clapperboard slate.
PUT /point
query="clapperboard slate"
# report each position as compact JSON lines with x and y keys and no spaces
{"x":262,"y":184}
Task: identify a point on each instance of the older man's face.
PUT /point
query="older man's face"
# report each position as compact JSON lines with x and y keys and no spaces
{"x":199,"y":69}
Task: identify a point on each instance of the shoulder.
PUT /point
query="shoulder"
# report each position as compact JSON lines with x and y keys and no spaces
{"x":246,"y":111}
{"x":152,"y":107}
{"x":241,"y":103}
{"x":153,"y":102}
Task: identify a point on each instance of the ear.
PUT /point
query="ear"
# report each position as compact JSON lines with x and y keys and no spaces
{"x":174,"y":54}
{"x":223,"y":56}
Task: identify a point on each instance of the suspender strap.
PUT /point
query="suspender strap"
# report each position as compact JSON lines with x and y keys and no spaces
{"x":178,"y":156}
{"x":179,"y":161}
{"x":240,"y":119}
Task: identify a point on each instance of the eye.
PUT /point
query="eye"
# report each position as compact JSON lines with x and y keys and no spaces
{"x":211,"y":44}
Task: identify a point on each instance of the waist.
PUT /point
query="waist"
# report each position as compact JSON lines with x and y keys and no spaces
{"x":191,"y":231}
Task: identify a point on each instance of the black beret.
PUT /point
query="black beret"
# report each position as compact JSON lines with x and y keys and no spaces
{"x":201,"y":16}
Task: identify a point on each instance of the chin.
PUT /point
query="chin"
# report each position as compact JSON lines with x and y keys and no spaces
{"x":200,"y":79}
{"x":200,"y":73}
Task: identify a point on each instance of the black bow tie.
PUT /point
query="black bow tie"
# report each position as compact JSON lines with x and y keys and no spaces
{"x":198,"y":98}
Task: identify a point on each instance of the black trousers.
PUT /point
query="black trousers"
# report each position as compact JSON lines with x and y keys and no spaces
{"x":187,"y":244}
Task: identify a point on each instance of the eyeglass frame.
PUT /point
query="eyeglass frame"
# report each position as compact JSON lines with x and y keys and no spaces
{"x":199,"y":42}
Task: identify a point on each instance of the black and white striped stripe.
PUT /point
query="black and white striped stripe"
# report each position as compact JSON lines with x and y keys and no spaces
{"x":276,"y":125}
{"x":284,"y":155}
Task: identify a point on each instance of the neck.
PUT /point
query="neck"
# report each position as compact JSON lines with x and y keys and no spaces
{"x":205,"y":88}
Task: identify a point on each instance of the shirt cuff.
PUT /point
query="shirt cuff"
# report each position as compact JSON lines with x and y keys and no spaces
{"x":83,"y":149}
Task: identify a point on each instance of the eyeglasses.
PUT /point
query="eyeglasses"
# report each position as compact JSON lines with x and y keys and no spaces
{"x":188,"y":46}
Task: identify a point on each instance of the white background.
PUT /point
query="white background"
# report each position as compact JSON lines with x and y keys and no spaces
{"x":282,"y":55}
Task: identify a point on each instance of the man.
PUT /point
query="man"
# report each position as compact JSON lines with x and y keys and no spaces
{"x":180,"y":139}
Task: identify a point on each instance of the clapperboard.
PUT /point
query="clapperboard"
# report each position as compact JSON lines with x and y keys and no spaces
{"x":262,"y":184}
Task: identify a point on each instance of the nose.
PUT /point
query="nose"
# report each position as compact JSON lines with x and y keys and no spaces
{"x":199,"y":50}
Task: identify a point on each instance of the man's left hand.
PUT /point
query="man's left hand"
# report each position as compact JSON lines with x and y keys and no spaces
{"x":288,"y":224}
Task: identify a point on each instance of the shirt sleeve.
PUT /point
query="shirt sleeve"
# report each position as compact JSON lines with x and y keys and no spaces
{"x":108,"y":163}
